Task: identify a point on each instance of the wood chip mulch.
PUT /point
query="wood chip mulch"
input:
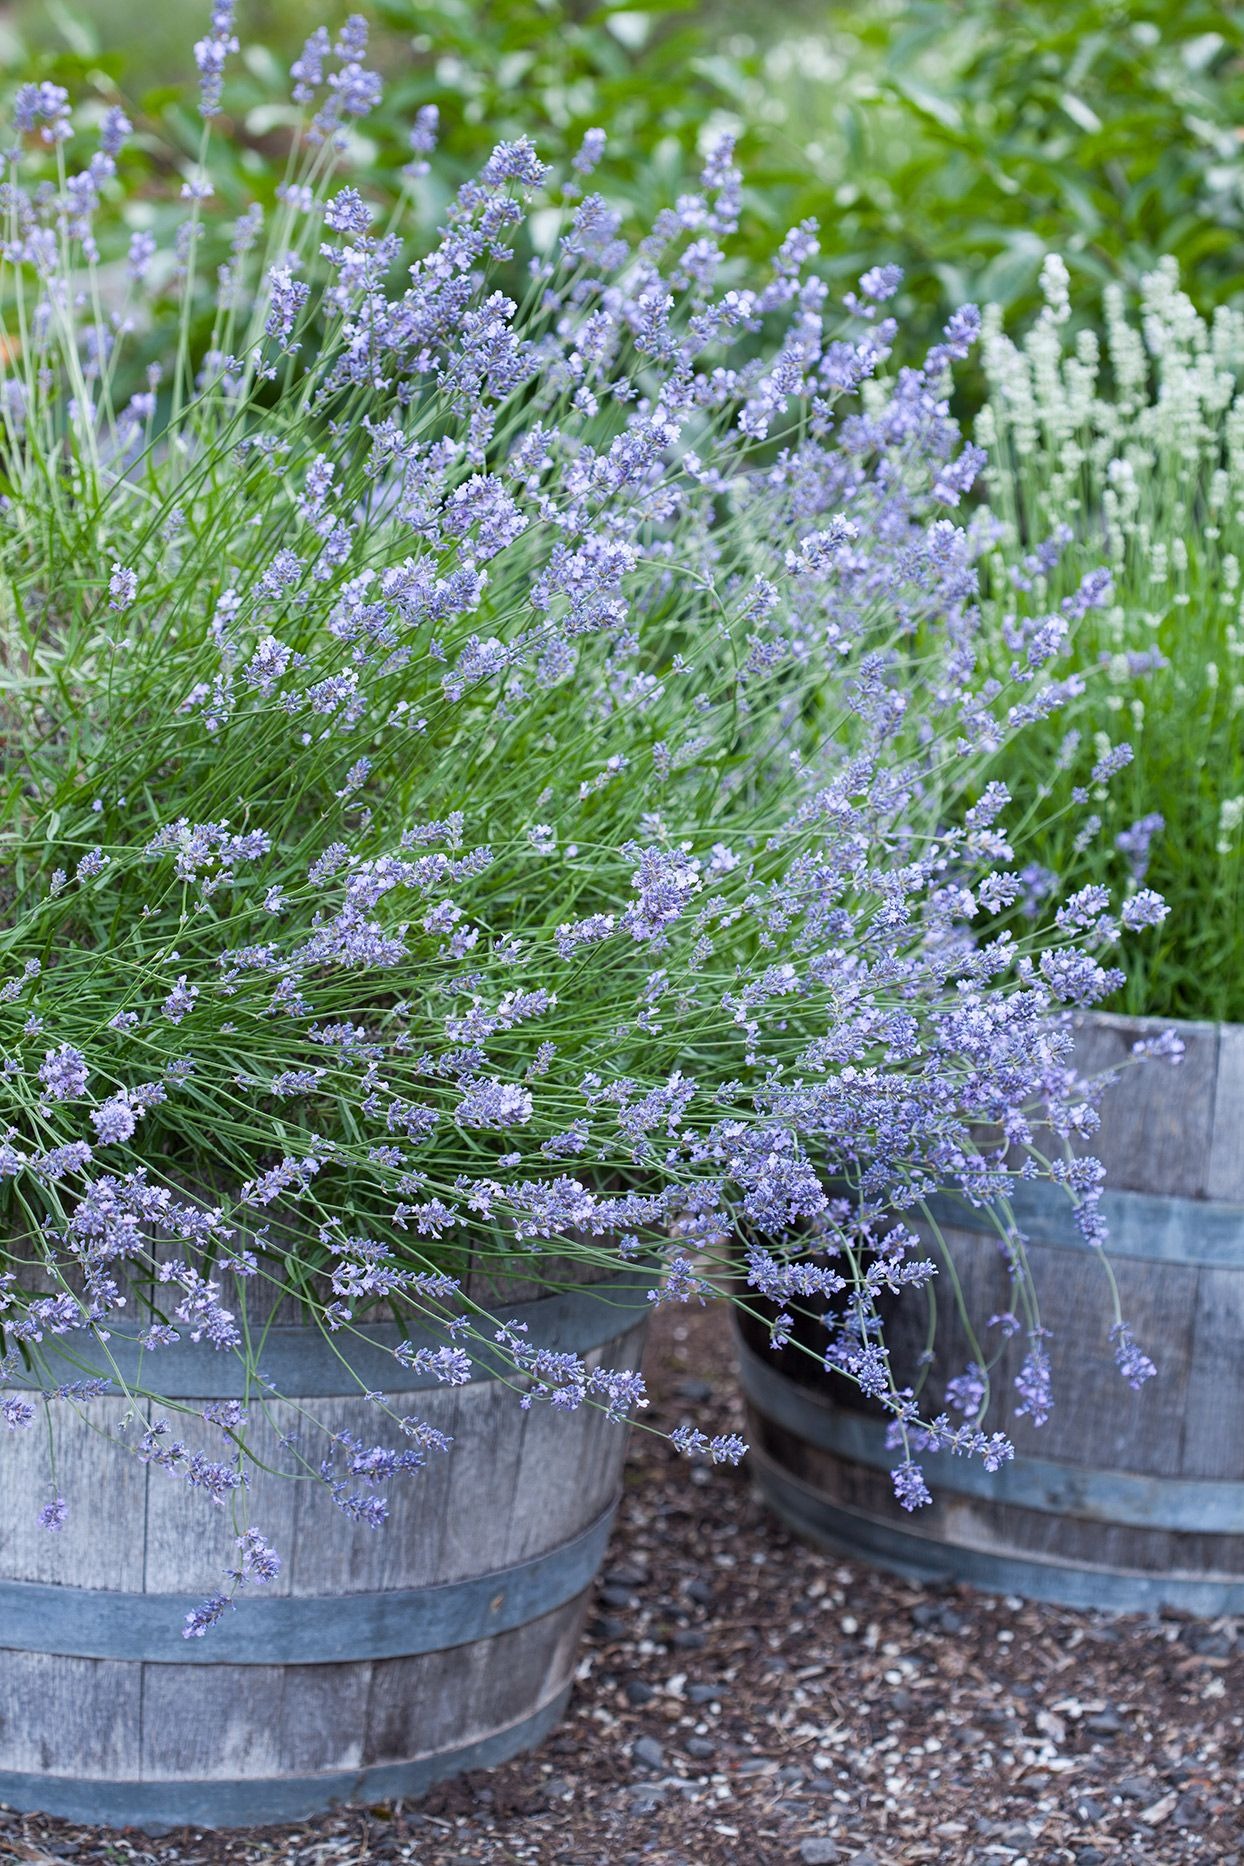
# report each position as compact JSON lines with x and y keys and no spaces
{"x":745,"y":1699}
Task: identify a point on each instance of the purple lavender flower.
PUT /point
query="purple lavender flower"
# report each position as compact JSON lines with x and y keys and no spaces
{"x":494,"y":1104}
{"x":201,"y":1619}
{"x":45,"y":105}
{"x":590,"y":150}
{"x":909,"y":1485}
{"x":423,"y":138}
{"x":63,"y":1073}
{"x":1135,"y":1366}
{"x":114,"y":1120}
{"x":516,"y":162}
{"x":881,"y":282}
{"x":288,"y":298}
{"x":122,"y":587}
{"x":180,"y":1000}
{"x":1144,"y":909}
{"x":210,"y":54}
{"x":1034,"y":1387}
{"x":54,"y":1515}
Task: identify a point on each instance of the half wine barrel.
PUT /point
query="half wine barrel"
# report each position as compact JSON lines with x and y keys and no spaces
{"x":1123,"y":1499}
{"x":378,"y":1661}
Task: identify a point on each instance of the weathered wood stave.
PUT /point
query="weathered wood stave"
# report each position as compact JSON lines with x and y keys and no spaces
{"x":444,"y":1641}
{"x":1127,"y":1500}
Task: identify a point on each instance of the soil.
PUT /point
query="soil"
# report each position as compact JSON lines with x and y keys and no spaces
{"x":743,"y":1698}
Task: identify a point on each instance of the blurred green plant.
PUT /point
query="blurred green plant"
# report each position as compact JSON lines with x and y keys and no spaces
{"x":965,"y":139}
{"x":495,"y":69}
{"x":961,"y":139}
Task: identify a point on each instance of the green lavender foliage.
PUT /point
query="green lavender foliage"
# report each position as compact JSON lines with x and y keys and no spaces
{"x":1136,"y":446}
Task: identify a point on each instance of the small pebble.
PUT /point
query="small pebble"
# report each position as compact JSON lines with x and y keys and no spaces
{"x":648,"y":1752}
{"x":623,"y":1576}
{"x":637,"y":1692}
{"x":818,"y":1851}
{"x":644,"y":1797}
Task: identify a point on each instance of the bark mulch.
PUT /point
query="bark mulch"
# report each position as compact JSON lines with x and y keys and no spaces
{"x":742,"y":1698}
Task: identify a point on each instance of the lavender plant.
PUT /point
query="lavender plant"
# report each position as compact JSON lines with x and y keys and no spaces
{"x":1133,"y":458}
{"x":489,"y":781}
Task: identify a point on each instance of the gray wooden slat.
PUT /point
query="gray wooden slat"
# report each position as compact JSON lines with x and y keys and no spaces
{"x":1157,"y":1122}
{"x":224,"y":1722}
{"x":1098,"y":1420}
{"x":101,"y":1544}
{"x":571,"y":1462}
{"x":483,"y":1489}
{"x":473,"y":1691}
{"x":1225,"y":1178}
{"x":323,"y":1713}
{"x":330,"y":1553}
{"x":1100,"y":1496}
{"x":1211,"y":1401}
{"x":50,"y":1705}
{"x":190,"y":1545}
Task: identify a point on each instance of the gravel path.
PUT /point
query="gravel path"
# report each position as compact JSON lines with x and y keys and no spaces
{"x":745,"y":1699}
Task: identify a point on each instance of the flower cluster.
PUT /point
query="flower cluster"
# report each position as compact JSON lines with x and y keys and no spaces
{"x":501,"y":784}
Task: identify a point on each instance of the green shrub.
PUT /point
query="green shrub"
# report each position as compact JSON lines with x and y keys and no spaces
{"x":960,"y":139}
{"x":966,"y":140}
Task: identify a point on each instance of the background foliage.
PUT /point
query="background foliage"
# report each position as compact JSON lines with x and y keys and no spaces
{"x":962,"y":139}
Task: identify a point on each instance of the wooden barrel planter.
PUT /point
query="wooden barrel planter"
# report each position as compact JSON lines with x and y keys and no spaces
{"x":1124,"y":1500}
{"x":379,"y":1661}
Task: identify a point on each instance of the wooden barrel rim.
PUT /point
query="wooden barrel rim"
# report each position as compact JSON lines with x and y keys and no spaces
{"x":301,"y":1360}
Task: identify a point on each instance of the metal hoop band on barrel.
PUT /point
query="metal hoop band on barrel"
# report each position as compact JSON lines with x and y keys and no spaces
{"x":1141,"y":1224}
{"x":865,"y":1539}
{"x":158,"y":1806}
{"x":1195,"y":1504}
{"x":87,"y":1623}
